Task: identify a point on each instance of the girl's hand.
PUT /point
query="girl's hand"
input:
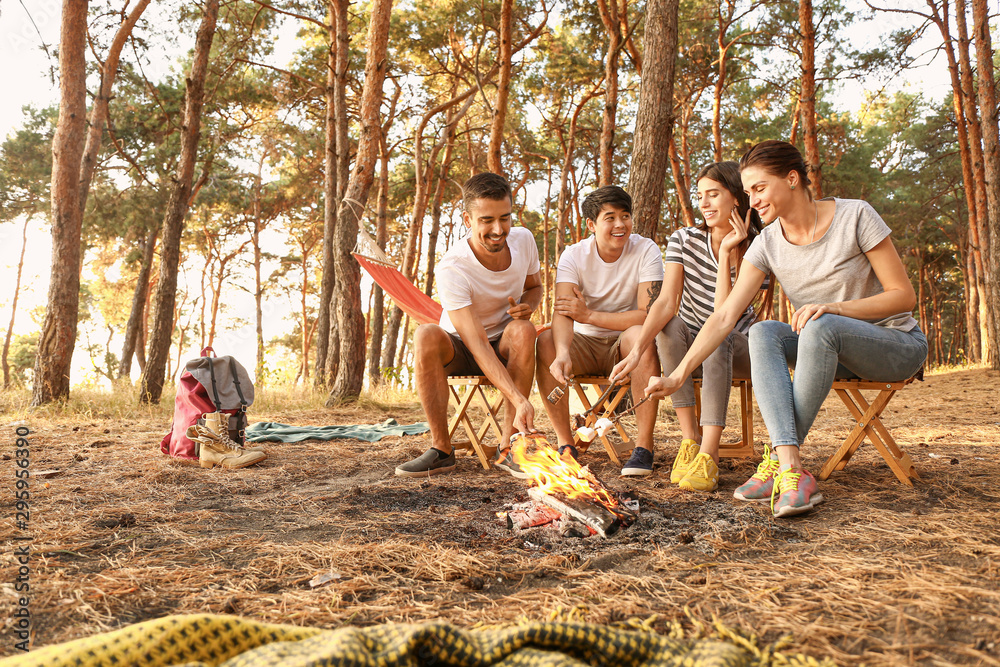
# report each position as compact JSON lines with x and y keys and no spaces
{"x":811,"y":311}
{"x":659,"y":387}
{"x":739,"y":232}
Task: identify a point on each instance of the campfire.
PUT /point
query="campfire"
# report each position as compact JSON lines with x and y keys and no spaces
{"x":565,"y":494}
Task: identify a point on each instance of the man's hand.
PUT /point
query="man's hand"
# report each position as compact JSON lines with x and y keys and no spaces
{"x":524,"y":419}
{"x":659,"y":387}
{"x":623,"y":369}
{"x":561,"y":369}
{"x":573,"y":307}
{"x":519,"y":311}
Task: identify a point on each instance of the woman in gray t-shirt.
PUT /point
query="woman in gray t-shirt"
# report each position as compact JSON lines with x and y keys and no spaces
{"x":853,"y":303}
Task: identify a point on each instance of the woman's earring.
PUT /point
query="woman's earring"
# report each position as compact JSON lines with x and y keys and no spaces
{"x":793,"y":186}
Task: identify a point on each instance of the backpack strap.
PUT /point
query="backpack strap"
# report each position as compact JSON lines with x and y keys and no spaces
{"x":241,"y":418}
{"x":215,"y":389}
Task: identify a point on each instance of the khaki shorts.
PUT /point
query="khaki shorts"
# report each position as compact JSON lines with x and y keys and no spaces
{"x":594,"y":355}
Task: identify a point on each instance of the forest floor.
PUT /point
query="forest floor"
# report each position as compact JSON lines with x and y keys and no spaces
{"x":881,"y":573}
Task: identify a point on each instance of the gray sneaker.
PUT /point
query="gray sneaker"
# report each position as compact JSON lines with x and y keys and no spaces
{"x":431,"y":462}
{"x":507,"y":463}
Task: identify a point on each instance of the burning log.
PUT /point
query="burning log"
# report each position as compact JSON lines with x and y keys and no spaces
{"x":533,"y":515}
{"x":595,"y":516}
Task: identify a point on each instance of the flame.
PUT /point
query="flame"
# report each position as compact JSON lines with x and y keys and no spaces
{"x":554,"y":474}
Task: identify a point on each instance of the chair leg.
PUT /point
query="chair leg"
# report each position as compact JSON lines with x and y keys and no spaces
{"x":869,"y":423}
{"x":462,"y":402}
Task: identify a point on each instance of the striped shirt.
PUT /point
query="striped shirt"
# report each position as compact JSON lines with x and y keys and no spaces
{"x":691,"y":248}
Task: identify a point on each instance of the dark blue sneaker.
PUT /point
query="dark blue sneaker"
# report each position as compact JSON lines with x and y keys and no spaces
{"x":569,"y":450}
{"x":639,"y":464}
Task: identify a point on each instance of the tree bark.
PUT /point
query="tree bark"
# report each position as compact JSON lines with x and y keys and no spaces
{"x":442,"y":181}
{"x":991,"y":160}
{"x":654,"y":116}
{"x":972,"y":163}
{"x":151,"y":382}
{"x":350,"y":372}
{"x":13,"y":305}
{"x":609,"y":16}
{"x":681,"y":184}
{"x":58,"y":334}
{"x":381,"y":236}
{"x":329,"y":202}
{"x":135,"y":317}
{"x":503,"y":87}
{"x":807,"y":97}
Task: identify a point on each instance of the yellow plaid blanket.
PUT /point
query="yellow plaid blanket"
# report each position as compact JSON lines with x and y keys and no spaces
{"x":199,"y":640}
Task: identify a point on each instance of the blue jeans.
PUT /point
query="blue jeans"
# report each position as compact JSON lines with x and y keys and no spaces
{"x":829,"y":347}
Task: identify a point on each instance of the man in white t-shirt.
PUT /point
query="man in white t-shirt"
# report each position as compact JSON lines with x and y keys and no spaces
{"x":605,"y":285}
{"x":489,"y":284}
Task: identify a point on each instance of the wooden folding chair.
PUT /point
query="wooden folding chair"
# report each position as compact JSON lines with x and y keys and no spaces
{"x":464,"y":389}
{"x":743,"y":448}
{"x":869,"y":423}
{"x":605,"y":409}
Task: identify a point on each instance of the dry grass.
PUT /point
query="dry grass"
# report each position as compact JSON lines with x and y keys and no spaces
{"x":880,"y":574}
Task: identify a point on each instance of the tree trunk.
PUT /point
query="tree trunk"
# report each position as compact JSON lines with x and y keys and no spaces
{"x":58,"y":334}
{"x":807,"y":98}
{"x":503,"y":87}
{"x":442,"y":181}
{"x":13,"y":305}
{"x":329,"y":201}
{"x":381,"y":236}
{"x":151,"y":383}
{"x":350,"y":373}
{"x":99,"y":111}
{"x":135,"y":317}
{"x":971,"y":153}
{"x":654,"y":116}
{"x":258,"y":288}
{"x":991,"y":160}
{"x":681,"y":184}
{"x":609,"y":16}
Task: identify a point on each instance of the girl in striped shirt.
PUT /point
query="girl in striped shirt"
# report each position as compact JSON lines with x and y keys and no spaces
{"x":700,"y":265}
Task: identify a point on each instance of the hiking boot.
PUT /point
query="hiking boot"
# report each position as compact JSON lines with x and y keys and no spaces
{"x":639,"y":464}
{"x":431,"y":462}
{"x":214,"y":450}
{"x":569,"y":450}
{"x":218,"y":423}
{"x":685,"y":455}
{"x":758,"y":488}
{"x":796,"y":491}
{"x":507,"y":463}
{"x":702,"y":474}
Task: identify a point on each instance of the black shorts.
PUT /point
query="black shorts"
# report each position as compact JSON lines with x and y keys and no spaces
{"x":463,"y":363}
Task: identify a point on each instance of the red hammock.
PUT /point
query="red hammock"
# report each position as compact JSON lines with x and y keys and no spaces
{"x":411,"y":300}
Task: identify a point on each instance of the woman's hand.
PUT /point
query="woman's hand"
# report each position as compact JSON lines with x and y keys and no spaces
{"x":811,"y":311}
{"x":659,"y":387}
{"x":739,"y":232}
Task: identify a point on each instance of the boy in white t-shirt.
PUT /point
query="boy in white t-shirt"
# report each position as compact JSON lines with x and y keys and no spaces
{"x":605,"y":285}
{"x":489,"y":284}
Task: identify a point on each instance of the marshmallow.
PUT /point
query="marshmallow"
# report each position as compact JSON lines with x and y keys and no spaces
{"x":603,"y":425}
{"x":586,"y":434}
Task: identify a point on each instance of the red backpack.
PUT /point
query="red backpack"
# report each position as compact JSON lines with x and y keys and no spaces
{"x":208,"y":384}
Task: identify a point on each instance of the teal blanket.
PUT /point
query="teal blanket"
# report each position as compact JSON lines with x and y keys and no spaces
{"x":274,"y":432}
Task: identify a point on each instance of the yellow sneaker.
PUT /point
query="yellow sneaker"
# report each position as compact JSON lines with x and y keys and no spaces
{"x":685,"y":455}
{"x":702,"y":474}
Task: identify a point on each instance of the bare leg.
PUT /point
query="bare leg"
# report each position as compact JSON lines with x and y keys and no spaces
{"x":518,"y":345}
{"x":689,"y":424}
{"x":558,"y":413}
{"x":433,"y":351}
{"x":649,"y":365}
{"x":711,"y":440}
